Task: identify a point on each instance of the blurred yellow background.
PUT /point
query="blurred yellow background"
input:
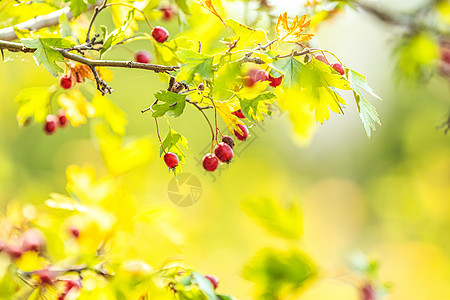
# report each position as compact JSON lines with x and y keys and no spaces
{"x":387,"y":196}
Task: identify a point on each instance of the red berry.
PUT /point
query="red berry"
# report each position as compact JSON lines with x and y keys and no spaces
{"x":228,"y":140}
{"x":160,"y":34}
{"x":241,"y":136}
{"x":15,"y":251}
{"x":223,"y":152}
{"x":201,"y":87}
{"x":250,"y":78}
{"x":210,"y":162}
{"x":33,"y":240}
{"x":338,"y":68}
{"x":238,"y":113}
{"x":45,"y":276}
{"x":261,"y":75}
{"x":73,"y":283}
{"x":168,"y":13}
{"x":62,"y":119}
{"x":275,"y":81}
{"x":321,"y":58}
{"x":142,"y":57}
{"x":65,"y":81}
{"x":171,"y":160}
{"x":367,"y":292}
{"x":51,"y":123}
{"x":75,"y":232}
{"x":62,"y":296}
{"x":214,"y":281}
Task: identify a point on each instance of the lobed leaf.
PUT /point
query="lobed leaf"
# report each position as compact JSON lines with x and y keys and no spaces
{"x":169,"y":102}
{"x":293,"y":33}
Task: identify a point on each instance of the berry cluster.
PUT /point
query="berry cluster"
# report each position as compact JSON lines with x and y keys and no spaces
{"x":53,"y":122}
{"x":255,"y":75}
{"x":336,"y":66}
{"x":30,"y":240}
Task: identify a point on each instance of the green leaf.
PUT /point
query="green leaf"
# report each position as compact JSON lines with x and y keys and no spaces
{"x":118,"y":34}
{"x":182,"y":4}
{"x":226,"y":297}
{"x":33,"y":103}
{"x":113,"y":116}
{"x":367,"y":111}
{"x":169,"y":102}
{"x":291,"y":68}
{"x":194,"y":63}
{"x":77,"y":7}
{"x":173,"y":142}
{"x":66,"y":42}
{"x":205,"y":285}
{"x":282,"y":221}
{"x":44,"y":54}
{"x":278,"y":274}
{"x":253,"y":109}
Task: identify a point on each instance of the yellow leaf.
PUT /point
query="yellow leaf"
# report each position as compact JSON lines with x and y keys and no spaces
{"x":293,"y":33}
{"x":82,"y":182}
{"x":299,"y":112}
{"x":225,"y":109}
{"x":209,"y":6}
{"x":122,"y":157}
{"x":78,"y":109}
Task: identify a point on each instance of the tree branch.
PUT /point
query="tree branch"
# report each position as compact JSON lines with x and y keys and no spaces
{"x":51,"y":19}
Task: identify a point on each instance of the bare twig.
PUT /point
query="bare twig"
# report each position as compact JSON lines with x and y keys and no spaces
{"x":97,"y":10}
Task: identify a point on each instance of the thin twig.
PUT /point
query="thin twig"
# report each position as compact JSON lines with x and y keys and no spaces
{"x":97,"y":10}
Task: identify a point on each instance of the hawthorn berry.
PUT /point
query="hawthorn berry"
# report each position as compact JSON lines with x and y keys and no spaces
{"x":367,"y":292}
{"x":241,"y":136}
{"x":15,"y":251}
{"x":228,"y":140}
{"x":321,"y":58}
{"x":45,"y":276}
{"x":223,"y":152}
{"x":62,"y":119}
{"x":74,"y":231}
{"x":142,"y":57}
{"x":168,"y":13}
{"x":238,"y":113}
{"x":51,"y":123}
{"x":160,"y":34}
{"x":275,"y":81}
{"x":73,"y":283}
{"x":65,"y":81}
{"x":213,"y":279}
{"x":33,"y":240}
{"x":338,"y":68}
{"x":210,"y":162}
{"x":171,"y":160}
{"x":250,"y":77}
{"x":261,"y":75}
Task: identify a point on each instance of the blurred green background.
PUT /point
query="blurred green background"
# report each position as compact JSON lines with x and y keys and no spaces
{"x":388,"y":195}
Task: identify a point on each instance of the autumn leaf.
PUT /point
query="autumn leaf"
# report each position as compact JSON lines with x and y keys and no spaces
{"x":209,"y":6}
{"x":293,"y":33}
{"x":78,"y":109}
{"x":225,"y":109}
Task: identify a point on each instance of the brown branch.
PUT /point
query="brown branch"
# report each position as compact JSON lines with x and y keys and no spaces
{"x":39,"y":22}
{"x":406,"y":20}
{"x":97,"y":10}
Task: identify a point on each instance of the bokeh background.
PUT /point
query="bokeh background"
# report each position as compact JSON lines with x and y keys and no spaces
{"x":387,"y":196}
